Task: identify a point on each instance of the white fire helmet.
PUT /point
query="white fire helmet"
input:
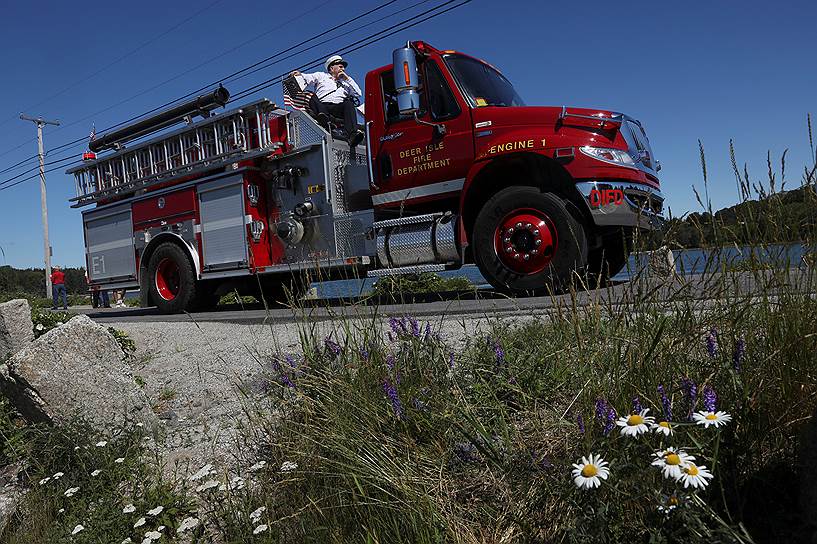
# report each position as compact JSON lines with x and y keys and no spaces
{"x":332,"y":60}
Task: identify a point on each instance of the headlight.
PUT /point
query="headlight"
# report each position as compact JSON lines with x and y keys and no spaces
{"x":606,"y":154}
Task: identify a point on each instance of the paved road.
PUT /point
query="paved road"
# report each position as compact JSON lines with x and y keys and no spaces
{"x":487,"y":303}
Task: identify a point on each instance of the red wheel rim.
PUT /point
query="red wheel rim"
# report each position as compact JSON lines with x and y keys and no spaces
{"x":168,"y":279}
{"x":525,"y":241}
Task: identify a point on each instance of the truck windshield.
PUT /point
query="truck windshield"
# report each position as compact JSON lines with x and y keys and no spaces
{"x":483,"y":85}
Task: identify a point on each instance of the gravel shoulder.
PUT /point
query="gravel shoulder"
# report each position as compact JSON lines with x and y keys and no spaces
{"x":203,"y":378}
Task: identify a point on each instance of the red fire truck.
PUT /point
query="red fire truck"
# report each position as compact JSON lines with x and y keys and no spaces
{"x":455,"y":169}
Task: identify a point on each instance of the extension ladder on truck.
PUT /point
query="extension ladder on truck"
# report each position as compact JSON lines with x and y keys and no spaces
{"x":210,"y":143}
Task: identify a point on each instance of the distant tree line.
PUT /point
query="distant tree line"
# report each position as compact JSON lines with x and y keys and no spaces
{"x":783,"y":217}
{"x":31,"y":281}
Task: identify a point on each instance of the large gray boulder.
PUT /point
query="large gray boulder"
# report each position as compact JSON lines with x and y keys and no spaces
{"x":16,"y":329}
{"x":75,"y":370}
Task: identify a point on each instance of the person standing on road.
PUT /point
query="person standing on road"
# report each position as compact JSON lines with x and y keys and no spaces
{"x":58,"y":288}
{"x":335,"y":92}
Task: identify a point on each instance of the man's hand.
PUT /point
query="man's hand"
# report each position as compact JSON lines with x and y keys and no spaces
{"x":342,"y":74}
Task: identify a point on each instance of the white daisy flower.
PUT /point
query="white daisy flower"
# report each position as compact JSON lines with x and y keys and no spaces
{"x":187,"y":524}
{"x":289,"y":466}
{"x":58,"y":475}
{"x":156,"y":511}
{"x":671,"y":461}
{"x":711,"y":418}
{"x":255,"y":515}
{"x":160,"y":528}
{"x":203,"y":472}
{"x":140,"y":424}
{"x":39,"y":326}
{"x":695,"y":476}
{"x":139,"y":523}
{"x":260,"y":529}
{"x":71,"y":491}
{"x":669,"y":503}
{"x":587,"y":473}
{"x":119,"y":460}
{"x":127,"y":541}
{"x":45,"y":480}
{"x":209,"y":484}
{"x":77,"y":529}
{"x":61,"y":510}
{"x":97,"y":472}
{"x":258,"y":466}
{"x":663,"y":427}
{"x":635,"y":424}
{"x":101,"y":443}
{"x":146,"y":541}
{"x":153,"y":535}
{"x":129,"y":508}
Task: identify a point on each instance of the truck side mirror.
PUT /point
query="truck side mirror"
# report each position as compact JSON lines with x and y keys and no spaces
{"x":406,"y":80}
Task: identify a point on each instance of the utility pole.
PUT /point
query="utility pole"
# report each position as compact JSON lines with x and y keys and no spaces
{"x":40,"y":122}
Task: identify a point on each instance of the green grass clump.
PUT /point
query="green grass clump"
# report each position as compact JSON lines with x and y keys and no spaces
{"x":427,"y":282}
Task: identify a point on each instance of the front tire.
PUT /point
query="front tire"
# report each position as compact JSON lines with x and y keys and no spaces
{"x":172,"y":279}
{"x":525,"y":242}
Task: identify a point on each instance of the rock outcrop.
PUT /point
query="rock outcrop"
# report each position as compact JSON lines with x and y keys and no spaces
{"x":16,"y":329}
{"x":76,"y":370}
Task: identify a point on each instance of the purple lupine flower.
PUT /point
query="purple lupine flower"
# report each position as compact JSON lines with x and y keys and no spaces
{"x":391,"y":392}
{"x":364,"y":353}
{"x":332,"y":346}
{"x":451,"y":360}
{"x":580,"y":422}
{"x":427,"y":334}
{"x":611,"y":420}
{"x":390,"y":361}
{"x":466,"y":451}
{"x":710,"y":398}
{"x":415,"y":327}
{"x":691,"y":391}
{"x":665,"y":403}
{"x":394,"y":324}
{"x":740,"y":351}
{"x":637,"y":404}
{"x":601,"y":410}
{"x":291,"y":361}
{"x":712,"y":342}
{"x":282,"y":375}
{"x":499,"y":353}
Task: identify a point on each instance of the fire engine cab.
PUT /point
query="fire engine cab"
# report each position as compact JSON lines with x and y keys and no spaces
{"x":454,"y":169}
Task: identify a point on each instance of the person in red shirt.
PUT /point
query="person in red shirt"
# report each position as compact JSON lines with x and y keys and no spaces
{"x":58,"y":288}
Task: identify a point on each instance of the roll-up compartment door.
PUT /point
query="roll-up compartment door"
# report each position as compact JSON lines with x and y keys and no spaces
{"x":223,"y":223}
{"x":109,"y":244}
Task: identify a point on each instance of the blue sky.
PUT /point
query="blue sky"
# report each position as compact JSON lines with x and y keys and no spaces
{"x":693,"y":70}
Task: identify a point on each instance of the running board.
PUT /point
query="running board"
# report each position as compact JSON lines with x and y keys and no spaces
{"x":405,"y":270}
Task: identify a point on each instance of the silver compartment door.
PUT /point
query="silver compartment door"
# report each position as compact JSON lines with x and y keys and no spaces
{"x":109,"y":243}
{"x":223,"y":225}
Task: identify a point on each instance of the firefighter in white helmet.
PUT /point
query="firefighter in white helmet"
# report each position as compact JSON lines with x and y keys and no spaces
{"x":335,"y":91}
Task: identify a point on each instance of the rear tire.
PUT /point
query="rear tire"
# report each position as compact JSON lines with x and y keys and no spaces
{"x":172,"y":279}
{"x":525,"y":242}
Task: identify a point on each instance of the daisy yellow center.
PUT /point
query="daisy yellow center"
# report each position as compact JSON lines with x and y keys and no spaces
{"x":635,"y":419}
{"x":672,"y":501}
{"x":589,"y":471}
{"x":663,"y":424}
{"x":711,"y":417}
{"x":692,"y":470}
{"x":673,"y":459}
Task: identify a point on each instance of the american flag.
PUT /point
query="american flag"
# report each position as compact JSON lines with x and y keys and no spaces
{"x":294,"y":97}
{"x":92,"y":136}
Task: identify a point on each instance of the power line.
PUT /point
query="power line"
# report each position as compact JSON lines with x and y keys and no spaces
{"x":354,"y":46}
{"x":121,"y":58}
{"x":188,"y":95}
{"x":77,"y":161}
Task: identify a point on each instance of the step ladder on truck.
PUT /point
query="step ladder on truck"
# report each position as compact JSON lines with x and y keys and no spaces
{"x":454,"y":169}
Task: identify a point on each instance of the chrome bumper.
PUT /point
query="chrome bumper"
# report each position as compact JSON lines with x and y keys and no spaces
{"x":623,"y":204}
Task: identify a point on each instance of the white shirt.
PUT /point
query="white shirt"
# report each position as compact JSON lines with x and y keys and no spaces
{"x":331,"y":90}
